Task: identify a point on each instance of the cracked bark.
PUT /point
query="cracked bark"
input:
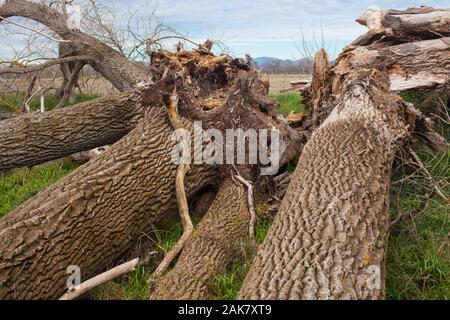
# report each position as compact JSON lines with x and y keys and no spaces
{"x":92,"y":216}
{"x":409,"y":24}
{"x":35,"y":138}
{"x":333,"y":223}
{"x":415,"y":66}
{"x":209,"y":249}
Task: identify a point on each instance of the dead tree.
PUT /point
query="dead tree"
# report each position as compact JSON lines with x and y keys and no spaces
{"x":39,"y":137}
{"x":328,"y":240}
{"x":92,"y":216}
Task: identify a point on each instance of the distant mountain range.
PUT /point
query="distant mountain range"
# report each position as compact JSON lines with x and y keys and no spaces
{"x":263,"y":62}
{"x":271,"y":64}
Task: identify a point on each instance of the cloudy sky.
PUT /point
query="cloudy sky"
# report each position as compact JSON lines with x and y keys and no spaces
{"x":271,"y":28}
{"x":264,"y":27}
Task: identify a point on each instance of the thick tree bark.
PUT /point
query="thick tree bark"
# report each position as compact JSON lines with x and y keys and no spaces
{"x":7,"y":115}
{"x":329,"y":236}
{"x":35,"y":138}
{"x":121,"y":72}
{"x":409,"y":24}
{"x":92,"y":216}
{"x":412,"y":45}
{"x":209,"y":249}
{"x":328,"y":240}
{"x":418,"y":66}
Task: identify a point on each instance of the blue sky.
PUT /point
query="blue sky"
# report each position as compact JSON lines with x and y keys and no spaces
{"x":271,"y":28}
{"x":268,"y":28}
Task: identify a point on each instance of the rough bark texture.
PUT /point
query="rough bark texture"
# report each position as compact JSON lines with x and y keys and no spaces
{"x":208,"y":251}
{"x":409,"y":24}
{"x":7,"y":115}
{"x":328,"y":240}
{"x":421,"y":65}
{"x":412,"y":45}
{"x":35,"y":138}
{"x":333,"y":223}
{"x":93,"y":215}
{"x":121,"y":72}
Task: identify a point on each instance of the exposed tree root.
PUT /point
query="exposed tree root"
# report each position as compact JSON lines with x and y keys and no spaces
{"x":251,"y":207}
{"x":329,"y":237}
{"x":183,"y":208}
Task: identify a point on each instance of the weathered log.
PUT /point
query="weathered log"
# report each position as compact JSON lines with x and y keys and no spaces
{"x":410,"y":24}
{"x":414,"y":66}
{"x":209,"y":250}
{"x":329,"y":236}
{"x":35,"y":138}
{"x":7,"y":115}
{"x":92,"y":216}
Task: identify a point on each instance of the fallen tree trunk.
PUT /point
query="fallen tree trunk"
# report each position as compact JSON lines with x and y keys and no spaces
{"x":415,"y":66}
{"x":92,"y":216}
{"x":226,"y":224}
{"x":329,"y":237}
{"x":412,"y":45}
{"x":409,"y":24}
{"x":36,"y":138}
{"x":210,"y":248}
{"x":7,"y":115}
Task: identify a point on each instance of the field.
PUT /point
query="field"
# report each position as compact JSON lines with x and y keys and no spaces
{"x":280,"y":82}
{"x":98,"y":85}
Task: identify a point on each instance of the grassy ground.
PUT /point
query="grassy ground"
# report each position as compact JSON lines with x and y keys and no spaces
{"x":12,"y":103}
{"x":19,"y":185}
{"x":418,"y":262}
{"x":289,"y":102}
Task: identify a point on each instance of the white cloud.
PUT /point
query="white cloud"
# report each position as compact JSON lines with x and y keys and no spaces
{"x":246,"y":24}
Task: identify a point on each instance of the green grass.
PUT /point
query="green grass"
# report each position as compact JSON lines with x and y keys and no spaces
{"x":227,"y":285}
{"x":19,"y":185}
{"x":13,"y":103}
{"x":418,"y":261}
{"x":132,"y":286}
{"x":166,"y":239}
{"x":289,"y":102}
{"x":83,"y":97}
